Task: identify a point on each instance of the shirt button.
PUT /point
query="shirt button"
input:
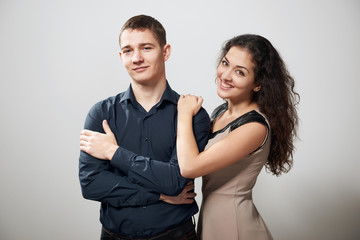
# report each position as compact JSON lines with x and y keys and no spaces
{"x":146,"y":139}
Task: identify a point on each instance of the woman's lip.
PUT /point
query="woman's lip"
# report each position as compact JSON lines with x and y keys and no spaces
{"x":224,"y":86}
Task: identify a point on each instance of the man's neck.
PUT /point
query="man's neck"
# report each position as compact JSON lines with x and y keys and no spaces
{"x":147,"y":95}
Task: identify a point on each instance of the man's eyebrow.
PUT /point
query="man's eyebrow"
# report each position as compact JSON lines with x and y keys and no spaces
{"x":238,"y":66}
{"x":141,"y":45}
{"x":146,"y":44}
{"x":125,"y":47}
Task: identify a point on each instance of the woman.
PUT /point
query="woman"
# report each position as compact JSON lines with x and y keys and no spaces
{"x":256,"y":126}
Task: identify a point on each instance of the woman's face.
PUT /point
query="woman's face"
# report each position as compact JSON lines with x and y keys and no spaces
{"x":235,"y":76}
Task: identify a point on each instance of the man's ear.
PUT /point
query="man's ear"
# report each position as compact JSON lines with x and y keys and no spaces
{"x":167,"y":52}
{"x":120,"y":54}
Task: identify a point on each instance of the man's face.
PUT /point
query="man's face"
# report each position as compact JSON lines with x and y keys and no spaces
{"x":142,"y":56}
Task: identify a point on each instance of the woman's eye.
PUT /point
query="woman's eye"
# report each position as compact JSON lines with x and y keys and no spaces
{"x":224,"y":63}
{"x":241,"y":73}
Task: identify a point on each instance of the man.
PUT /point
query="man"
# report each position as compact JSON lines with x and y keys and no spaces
{"x":128,"y":155}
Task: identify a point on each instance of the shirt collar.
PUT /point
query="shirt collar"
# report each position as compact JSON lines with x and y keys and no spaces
{"x":128,"y":95}
{"x":168,"y":95}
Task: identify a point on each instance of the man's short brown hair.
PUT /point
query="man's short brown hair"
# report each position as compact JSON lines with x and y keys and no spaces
{"x":142,"y":22}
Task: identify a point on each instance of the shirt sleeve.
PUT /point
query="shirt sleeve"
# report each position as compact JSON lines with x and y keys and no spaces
{"x":158,"y":176}
{"x":100,"y":183}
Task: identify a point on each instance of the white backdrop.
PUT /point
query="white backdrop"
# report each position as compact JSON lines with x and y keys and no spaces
{"x":57,"y":58}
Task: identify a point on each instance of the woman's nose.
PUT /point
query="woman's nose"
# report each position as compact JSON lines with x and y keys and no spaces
{"x":226,"y":74}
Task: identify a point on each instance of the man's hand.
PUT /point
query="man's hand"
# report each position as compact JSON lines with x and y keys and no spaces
{"x":99,"y":145}
{"x":185,"y":197}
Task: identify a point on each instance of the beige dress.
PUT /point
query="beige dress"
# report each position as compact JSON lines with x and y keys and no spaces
{"x":227,"y":210}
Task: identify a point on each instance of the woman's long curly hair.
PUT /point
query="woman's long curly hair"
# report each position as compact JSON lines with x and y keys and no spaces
{"x":276,"y":98}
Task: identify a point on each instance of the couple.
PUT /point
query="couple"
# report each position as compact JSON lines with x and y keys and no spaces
{"x":142,"y":148}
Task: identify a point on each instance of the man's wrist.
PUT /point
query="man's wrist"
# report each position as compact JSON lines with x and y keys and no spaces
{"x":111,"y":152}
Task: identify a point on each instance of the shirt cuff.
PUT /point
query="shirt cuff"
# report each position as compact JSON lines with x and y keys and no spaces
{"x":150,"y":198}
{"x":122,"y":160}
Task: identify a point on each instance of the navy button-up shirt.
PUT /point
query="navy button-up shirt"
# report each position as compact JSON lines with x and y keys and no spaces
{"x":144,"y":165}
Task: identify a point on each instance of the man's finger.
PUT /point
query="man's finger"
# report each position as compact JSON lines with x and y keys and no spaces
{"x":83,"y":143}
{"x":86,"y":132}
{"x":83,"y":148}
{"x":84,"y":137}
{"x":106,"y":127}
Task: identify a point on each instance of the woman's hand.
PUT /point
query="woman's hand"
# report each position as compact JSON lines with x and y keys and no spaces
{"x":99,"y":145}
{"x":185,"y":197}
{"x":189,"y":104}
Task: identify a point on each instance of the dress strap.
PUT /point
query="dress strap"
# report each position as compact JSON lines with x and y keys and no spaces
{"x":252,"y":116}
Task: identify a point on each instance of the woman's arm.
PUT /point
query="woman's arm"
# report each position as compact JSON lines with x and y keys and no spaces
{"x":235,"y":146}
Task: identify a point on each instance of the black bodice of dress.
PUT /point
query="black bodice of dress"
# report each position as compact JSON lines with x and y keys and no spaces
{"x":252,"y":116}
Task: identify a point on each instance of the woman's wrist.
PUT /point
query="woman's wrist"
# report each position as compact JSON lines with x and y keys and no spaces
{"x":184,"y":117}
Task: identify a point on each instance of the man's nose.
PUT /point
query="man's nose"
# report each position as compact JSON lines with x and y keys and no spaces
{"x":137,"y":56}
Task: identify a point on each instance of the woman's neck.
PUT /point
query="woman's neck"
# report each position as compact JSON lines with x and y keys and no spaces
{"x":240,"y":108}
